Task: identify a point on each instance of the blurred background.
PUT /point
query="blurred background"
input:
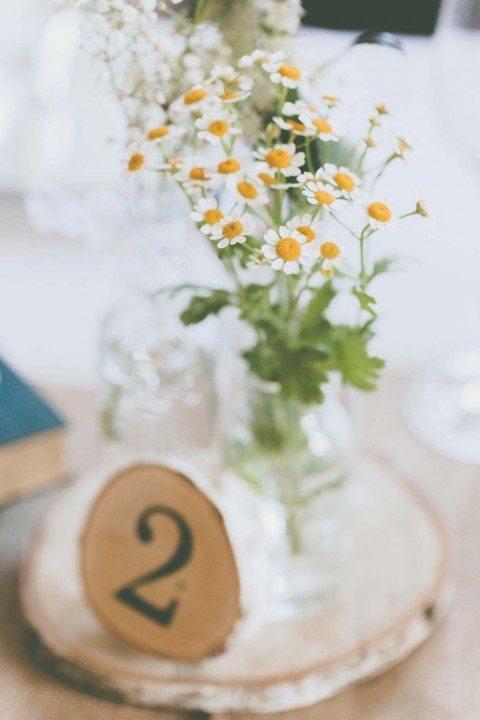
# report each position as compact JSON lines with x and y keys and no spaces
{"x":60,"y":266}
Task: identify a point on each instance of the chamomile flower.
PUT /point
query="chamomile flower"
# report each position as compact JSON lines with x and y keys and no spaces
{"x":293,"y":126}
{"x":298,"y":107}
{"x":258,"y":57}
{"x":164,"y":132}
{"x":332,"y":253}
{"x":217,"y":127}
{"x":318,"y":193}
{"x":282,"y":158}
{"x":248,"y":189}
{"x":331,"y":100}
{"x":231,"y":78}
{"x":206,"y":212}
{"x":344,"y":179}
{"x":319,"y":126}
{"x":194,"y":98}
{"x":229,"y":166}
{"x":192,"y":176}
{"x":304,"y":225}
{"x":284,"y":249}
{"x":283,"y":73}
{"x":233,"y":229}
{"x":379,"y":214}
{"x":136,"y":162}
{"x":320,"y":176}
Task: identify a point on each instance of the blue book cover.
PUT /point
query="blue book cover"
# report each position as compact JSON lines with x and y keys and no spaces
{"x":22,"y":412}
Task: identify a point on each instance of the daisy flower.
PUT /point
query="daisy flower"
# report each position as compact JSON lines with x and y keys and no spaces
{"x":293,"y":126}
{"x":343,"y":178}
{"x":248,"y":189}
{"x":259,"y":57}
{"x":229,"y":166}
{"x":282,"y":73}
{"x":319,"y":126}
{"x":217,"y":127}
{"x":332,"y":254}
{"x":379,"y":214}
{"x":282,"y":158}
{"x":233,"y":229}
{"x":303,"y":224}
{"x":195,"y":97}
{"x":320,"y":176}
{"x":295,"y":108}
{"x":284,"y":249}
{"x":136,"y":162}
{"x":317,"y":193}
{"x":163,"y":132}
{"x":230,"y":78}
{"x":206,"y":211}
{"x":196,"y":177}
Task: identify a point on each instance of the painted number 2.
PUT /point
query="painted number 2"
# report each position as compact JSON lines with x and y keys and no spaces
{"x":179,"y":558}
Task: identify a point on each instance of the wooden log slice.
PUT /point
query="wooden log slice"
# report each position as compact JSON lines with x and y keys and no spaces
{"x":394,"y":590}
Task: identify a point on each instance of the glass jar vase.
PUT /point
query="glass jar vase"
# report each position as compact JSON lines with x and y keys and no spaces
{"x":297,"y":457}
{"x":157,"y":384}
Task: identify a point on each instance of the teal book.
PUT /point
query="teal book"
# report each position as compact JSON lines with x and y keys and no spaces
{"x":32,"y":439}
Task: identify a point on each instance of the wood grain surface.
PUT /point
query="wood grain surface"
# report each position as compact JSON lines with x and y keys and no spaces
{"x":439,"y":682}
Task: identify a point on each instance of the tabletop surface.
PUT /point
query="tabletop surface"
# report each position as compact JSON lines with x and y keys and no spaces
{"x":438,"y":682}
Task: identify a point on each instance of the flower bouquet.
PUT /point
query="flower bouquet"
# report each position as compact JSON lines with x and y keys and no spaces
{"x":297,"y":218}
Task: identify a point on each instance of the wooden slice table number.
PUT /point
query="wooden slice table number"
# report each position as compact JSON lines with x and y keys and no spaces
{"x":158,"y":566}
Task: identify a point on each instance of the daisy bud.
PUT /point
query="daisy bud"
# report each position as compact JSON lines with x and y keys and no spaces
{"x":370,"y":142}
{"x":273,"y":131}
{"x":420,"y":209}
{"x":381,"y":108}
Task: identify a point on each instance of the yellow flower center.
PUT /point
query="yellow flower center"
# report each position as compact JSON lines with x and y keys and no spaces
{"x":329,"y":251}
{"x":247,"y":190}
{"x":136,"y":162}
{"x":379,"y":211}
{"x":158,"y":133}
{"x":288,"y":249}
{"x":322,"y":125}
{"x":194,"y":96}
{"x":345,"y":181}
{"x":213,"y":216}
{"x":228,"y":166}
{"x":232,"y":95}
{"x":232,"y":229}
{"x":266,"y":179}
{"x":289,"y":71}
{"x":278,"y":158}
{"x":197,"y":173}
{"x":218,"y":128}
{"x":307,"y":232}
{"x":298,"y":126}
{"x":326,"y":272}
{"x":331,"y":99}
{"x":324,"y":197}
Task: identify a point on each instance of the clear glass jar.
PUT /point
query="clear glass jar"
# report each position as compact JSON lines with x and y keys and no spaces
{"x":157,"y":385}
{"x":297,"y":458}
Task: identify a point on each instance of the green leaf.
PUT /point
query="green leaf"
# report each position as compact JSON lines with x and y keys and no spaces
{"x":313,"y":320}
{"x":349,"y":355}
{"x":382,"y":266}
{"x":201,"y":306}
{"x":366,"y":301}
